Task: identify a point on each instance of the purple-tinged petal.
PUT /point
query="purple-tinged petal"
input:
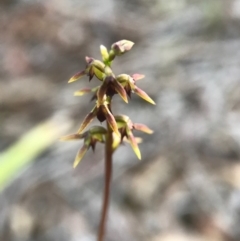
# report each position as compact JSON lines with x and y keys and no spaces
{"x":142,"y":127}
{"x":143,"y":95}
{"x":138,"y":76}
{"x":89,"y":59}
{"x":88,"y":119}
{"x":72,"y":137}
{"x":102,"y":91}
{"x":82,"y":92}
{"x":80,"y":155}
{"x":120,"y":90}
{"x":134,"y":145}
{"x":110,"y":119}
{"x":77,"y":76}
{"x":127,"y":44}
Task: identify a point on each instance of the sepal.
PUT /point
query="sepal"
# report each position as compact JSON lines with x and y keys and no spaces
{"x":80,"y":154}
{"x":88,"y":119}
{"x":77,"y":76}
{"x":144,"y":95}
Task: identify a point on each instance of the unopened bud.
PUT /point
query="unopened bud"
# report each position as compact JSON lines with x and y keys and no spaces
{"x":122,"y":118}
{"x":98,"y":64}
{"x":122,"y":47}
{"x":123,"y":78}
{"x":97,"y":130}
{"x":98,"y":69}
{"x":104,"y":53}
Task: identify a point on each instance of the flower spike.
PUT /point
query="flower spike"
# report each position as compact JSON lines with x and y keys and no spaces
{"x":119,"y":128}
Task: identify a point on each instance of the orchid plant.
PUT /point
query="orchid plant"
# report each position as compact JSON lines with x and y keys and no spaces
{"x":119,"y":128}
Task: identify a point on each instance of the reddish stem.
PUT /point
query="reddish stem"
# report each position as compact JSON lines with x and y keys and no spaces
{"x":108,"y":175}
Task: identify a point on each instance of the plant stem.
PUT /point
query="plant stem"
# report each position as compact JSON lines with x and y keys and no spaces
{"x":108,"y":175}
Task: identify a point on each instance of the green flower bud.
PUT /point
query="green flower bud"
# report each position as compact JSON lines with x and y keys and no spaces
{"x":104,"y":53}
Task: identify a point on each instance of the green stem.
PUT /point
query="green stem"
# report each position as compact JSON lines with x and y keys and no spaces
{"x":108,"y":175}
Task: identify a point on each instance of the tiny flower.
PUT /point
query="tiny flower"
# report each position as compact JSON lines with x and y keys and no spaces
{"x":91,"y":137}
{"x":111,"y":86}
{"x":102,"y":112}
{"x":129,"y":84}
{"x":126,"y":126}
{"x":94,"y":68}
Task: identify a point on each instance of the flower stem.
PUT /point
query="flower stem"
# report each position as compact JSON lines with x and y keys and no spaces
{"x":108,"y":175}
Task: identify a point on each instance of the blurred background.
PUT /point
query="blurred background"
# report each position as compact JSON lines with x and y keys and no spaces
{"x":187,"y":187}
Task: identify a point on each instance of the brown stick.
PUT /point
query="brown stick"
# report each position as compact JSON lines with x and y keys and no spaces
{"x":108,"y":175}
